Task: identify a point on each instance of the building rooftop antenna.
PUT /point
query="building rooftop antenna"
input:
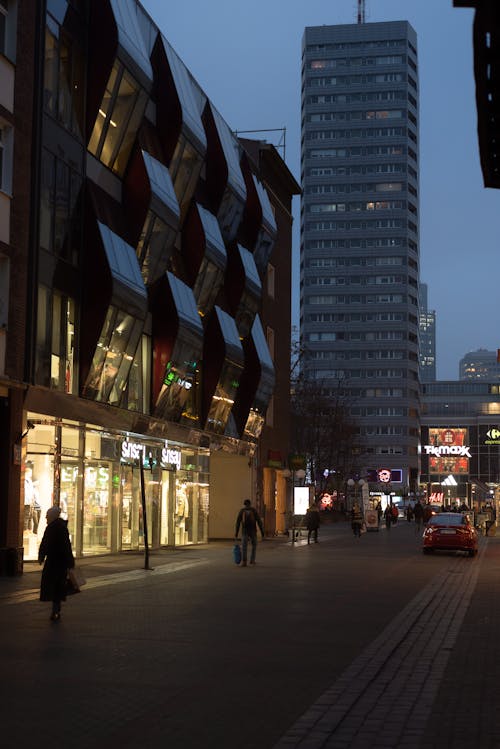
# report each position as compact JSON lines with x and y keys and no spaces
{"x":361,"y":11}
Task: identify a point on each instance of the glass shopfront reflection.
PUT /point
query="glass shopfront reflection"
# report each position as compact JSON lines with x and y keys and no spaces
{"x":95,"y":478}
{"x":97,"y":508}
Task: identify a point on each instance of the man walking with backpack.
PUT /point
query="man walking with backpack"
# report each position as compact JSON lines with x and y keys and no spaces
{"x":248,"y":518}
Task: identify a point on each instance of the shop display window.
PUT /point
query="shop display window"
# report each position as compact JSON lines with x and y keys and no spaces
{"x":96,"y":508}
{"x":37,"y":487}
{"x":68,"y":499}
{"x":95,"y":478}
{"x":131,"y":510}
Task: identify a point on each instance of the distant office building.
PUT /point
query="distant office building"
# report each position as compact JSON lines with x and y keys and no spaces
{"x":480,"y":365}
{"x":461,"y":442}
{"x":359,"y":230}
{"x":427,"y":337}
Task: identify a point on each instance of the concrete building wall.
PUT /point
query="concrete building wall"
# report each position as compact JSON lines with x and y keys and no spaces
{"x":231,"y":481}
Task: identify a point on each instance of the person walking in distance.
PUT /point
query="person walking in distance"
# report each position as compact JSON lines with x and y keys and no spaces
{"x":388,"y":517}
{"x":55,"y":549}
{"x":248,"y":519}
{"x":356,"y":520}
{"x":418,"y":512}
{"x":312,"y":523}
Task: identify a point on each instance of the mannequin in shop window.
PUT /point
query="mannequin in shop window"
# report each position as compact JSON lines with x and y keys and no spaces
{"x":36,"y":508}
{"x":181,"y":513}
{"x":64,"y":507}
{"x":28,"y":499}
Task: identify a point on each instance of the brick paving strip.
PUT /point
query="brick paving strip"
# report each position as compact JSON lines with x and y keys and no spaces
{"x":383,"y":699}
{"x":112,"y":579}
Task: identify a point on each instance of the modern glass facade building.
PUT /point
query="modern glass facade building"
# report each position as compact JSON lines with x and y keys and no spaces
{"x":138,"y":237}
{"x":359,"y":273}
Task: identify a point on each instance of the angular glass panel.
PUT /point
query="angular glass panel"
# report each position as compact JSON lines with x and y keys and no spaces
{"x":118,"y":113}
{"x":46,"y":199}
{"x":113,"y":356}
{"x":223,"y":399}
{"x":208,"y":283}
{"x":179,"y":397}
{"x":50,"y":69}
{"x":185,"y":168}
{"x":62,"y":196}
{"x":152,"y":252}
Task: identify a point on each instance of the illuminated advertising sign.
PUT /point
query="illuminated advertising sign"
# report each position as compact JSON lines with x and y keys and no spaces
{"x":301,"y":500}
{"x":491,"y":436}
{"x":385,"y":475}
{"x":448,"y":451}
{"x":134,"y":451}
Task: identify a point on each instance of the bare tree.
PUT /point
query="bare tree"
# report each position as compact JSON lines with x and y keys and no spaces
{"x":323,"y":430}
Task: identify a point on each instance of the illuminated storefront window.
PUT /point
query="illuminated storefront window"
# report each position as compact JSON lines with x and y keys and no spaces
{"x":94,"y":476}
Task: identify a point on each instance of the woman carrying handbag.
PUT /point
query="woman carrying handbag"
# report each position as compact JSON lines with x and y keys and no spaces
{"x":56,"y":550}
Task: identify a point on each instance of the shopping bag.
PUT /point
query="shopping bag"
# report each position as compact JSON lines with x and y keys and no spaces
{"x":237,"y":553}
{"x":363,"y":528}
{"x":76,"y":577}
{"x":71,"y":588}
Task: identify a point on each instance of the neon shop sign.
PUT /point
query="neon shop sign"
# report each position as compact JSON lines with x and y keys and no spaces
{"x":461,"y":451}
{"x":136,"y":451}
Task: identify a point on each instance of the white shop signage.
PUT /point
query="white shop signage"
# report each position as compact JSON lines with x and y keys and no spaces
{"x":463,"y":451}
{"x":134,"y":451}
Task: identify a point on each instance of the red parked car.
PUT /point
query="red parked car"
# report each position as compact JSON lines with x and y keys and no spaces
{"x":450,"y":531}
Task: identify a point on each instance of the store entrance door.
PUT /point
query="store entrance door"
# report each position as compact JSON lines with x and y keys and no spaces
{"x":131,"y":511}
{"x":156,"y":493}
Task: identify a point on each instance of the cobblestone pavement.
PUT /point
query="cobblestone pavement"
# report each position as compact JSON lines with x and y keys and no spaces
{"x":348,"y":644}
{"x":385,"y":696}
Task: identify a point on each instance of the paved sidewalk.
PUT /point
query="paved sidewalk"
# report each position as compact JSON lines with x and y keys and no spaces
{"x":385,"y":696}
{"x":429,"y":680}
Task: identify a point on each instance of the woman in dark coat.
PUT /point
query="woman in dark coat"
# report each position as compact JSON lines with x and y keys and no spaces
{"x":312,"y":523}
{"x":55,"y":549}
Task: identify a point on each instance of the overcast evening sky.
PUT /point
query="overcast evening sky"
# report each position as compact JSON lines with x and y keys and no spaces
{"x":247,"y":56}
